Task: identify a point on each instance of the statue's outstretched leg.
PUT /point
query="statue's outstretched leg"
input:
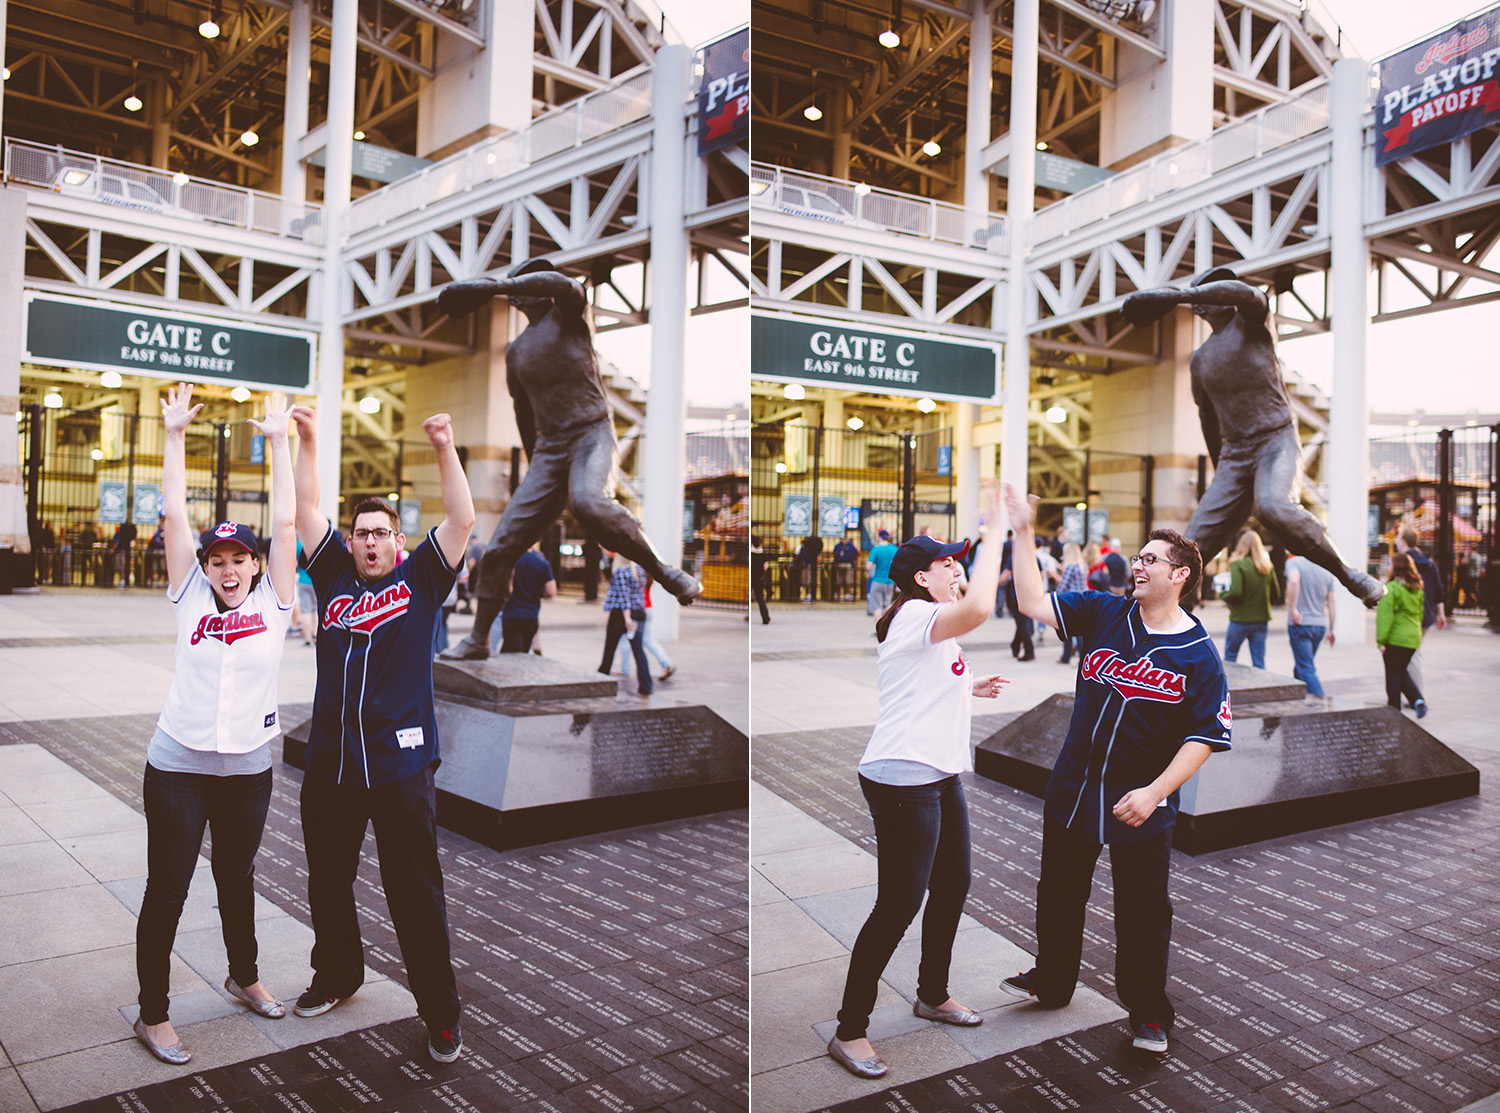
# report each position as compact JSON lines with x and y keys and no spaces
{"x":1221,"y":513}
{"x":590,"y":496}
{"x":1277,"y":480}
{"x":537,"y":503}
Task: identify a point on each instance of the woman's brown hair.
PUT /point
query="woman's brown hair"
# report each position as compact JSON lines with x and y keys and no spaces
{"x":1405,"y":570}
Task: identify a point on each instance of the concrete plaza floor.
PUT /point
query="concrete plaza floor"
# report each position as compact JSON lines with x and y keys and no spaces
{"x":606,"y":972}
{"x":1352,"y":968}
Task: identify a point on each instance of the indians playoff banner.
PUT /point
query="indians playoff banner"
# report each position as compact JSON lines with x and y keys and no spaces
{"x":1440,"y":89}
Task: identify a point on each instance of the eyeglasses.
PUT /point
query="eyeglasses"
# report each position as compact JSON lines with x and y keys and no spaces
{"x":372,"y":534}
{"x":1146,"y":560}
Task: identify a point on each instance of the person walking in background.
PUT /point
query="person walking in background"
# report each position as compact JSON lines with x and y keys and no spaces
{"x":758,"y":576}
{"x":1434,"y":596}
{"x":372,"y":744}
{"x":1114,"y":560}
{"x":209,"y":762}
{"x":626,"y":603}
{"x":652,"y":647}
{"x":1310,"y":611}
{"x":878,"y":575}
{"x":1098,"y":578}
{"x":1151,"y":704}
{"x":909,"y":775}
{"x":807,"y":565}
{"x":1075,"y":577}
{"x":1249,"y":597}
{"x":1398,"y":631}
{"x":531,"y":581}
{"x":844,"y":555}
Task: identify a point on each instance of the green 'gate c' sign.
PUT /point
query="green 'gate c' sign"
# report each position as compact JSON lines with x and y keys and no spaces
{"x":872,"y":361}
{"x":113,"y":337}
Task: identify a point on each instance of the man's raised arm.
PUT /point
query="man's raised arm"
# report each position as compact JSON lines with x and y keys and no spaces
{"x":1031,"y":593}
{"x":452,"y":533}
{"x":459,"y":299}
{"x":312,"y":527}
{"x":1146,"y":306}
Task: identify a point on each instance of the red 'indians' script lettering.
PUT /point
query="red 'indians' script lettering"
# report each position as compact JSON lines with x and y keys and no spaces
{"x":373,"y":610}
{"x":228,"y":628}
{"x":1137,"y":680}
{"x":1439,"y":54}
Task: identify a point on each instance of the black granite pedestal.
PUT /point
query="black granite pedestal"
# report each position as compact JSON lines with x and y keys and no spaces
{"x":1295,"y":766}
{"x":535,"y":751}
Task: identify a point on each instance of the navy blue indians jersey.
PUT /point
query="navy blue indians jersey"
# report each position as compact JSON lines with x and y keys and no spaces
{"x":373,"y":719}
{"x":1140,"y":696}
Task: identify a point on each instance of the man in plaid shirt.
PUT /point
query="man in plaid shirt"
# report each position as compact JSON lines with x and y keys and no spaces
{"x":627,"y":596}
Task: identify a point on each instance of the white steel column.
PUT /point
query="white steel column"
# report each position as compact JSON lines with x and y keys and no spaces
{"x":666,"y":410}
{"x":294,"y":117}
{"x":1348,"y":452}
{"x":976,"y":207}
{"x":13,"y":534}
{"x":1019,"y":208}
{"x":336,"y":176}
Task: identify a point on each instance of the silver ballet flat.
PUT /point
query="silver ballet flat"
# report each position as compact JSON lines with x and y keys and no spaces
{"x":860,"y":1068}
{"x":176,"y":1055}
{"x":272,"y":1009}
{"x":964,"y":1018}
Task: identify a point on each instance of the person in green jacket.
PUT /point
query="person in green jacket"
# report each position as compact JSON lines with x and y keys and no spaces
{"x":1398,"y":631}
{"x":1251,"y":580}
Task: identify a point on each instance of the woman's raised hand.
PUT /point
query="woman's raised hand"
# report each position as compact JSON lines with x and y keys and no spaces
{"x":177,"y":411}
{"x":277,"y":418}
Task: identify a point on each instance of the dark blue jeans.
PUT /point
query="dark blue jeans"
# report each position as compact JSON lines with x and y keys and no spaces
{"x":613,"y":632}
{"x":178,"y":807}
{"x":1305,"y":641}
{"x":334,"y":818}
{"x":922,"y":841}
{"x":1254,"y":633}
{"x":1143,"y":919}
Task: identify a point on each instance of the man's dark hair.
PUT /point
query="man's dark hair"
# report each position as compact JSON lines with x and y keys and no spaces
{"x":1182,"y":552}
{"x":373,"y":505}
{"x":1410,"y":537}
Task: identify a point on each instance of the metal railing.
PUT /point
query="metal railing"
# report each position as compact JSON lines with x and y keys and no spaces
{"x":562,"y":129}
{"x":834,"y":201}
{"x":154,"y":190}
{"x":1274,"y":126}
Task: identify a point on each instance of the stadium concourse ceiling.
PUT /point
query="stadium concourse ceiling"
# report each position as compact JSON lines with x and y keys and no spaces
{"x":77,"y":68}
{"x":893,"y":76}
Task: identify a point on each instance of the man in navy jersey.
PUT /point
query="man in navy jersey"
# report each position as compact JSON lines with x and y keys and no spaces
{"x":1151,"y":705}
{"x":372,"y":746}
{"x":530,"y":583}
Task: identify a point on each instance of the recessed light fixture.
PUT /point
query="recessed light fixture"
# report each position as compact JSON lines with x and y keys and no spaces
{"x":240,"y":394}
{"x":111,"y":379}
{"x":780,"y":467}
{"x":1041,"y":144}
{"x":249,"y":139}
{"x":393,"y":497}
{"x":856,"y":422}
{"x":52,"y":400}
{"x":889,"y":39}
{"x":926,"y":405}
{"x":369,"y":404}
{"x":931,"y":149}
{"x":5,"y":74}
{"x":813,"y":113}
{"x":795,"y":391}
{"x":359,"y":135}
{"x":97,"y":453}
{"x":1057,"y":415}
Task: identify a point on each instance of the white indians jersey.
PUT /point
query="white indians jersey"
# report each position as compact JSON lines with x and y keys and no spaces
{"x":223,"y":694}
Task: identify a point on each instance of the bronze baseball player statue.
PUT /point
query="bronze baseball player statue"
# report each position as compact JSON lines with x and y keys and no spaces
{"x":1247,"y":424}
{"x":564,"y":417}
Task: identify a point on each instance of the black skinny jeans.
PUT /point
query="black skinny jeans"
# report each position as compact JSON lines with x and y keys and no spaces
{"x":404,"y":814}
{"x":922,"y":842}
{"x":1143,"y":919}
{"x":1398,"y":681}
{"x":178,"y":807}
{"x":613,"y":632}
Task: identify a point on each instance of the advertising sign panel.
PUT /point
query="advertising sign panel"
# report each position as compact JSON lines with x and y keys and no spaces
{"x":724,"y":96}
{"x":1440,"y":89}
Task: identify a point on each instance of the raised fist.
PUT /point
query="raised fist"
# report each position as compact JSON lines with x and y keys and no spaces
{"x":459,"y":299}
{"x":1148,"y":306}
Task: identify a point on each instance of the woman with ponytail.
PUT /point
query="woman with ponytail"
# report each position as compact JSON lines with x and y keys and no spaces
{"x":910,"y":778}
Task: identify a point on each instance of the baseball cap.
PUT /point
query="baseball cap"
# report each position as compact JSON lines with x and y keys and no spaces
{"x":918,"y":554}
{"x":530,"y":266}
{"x":1214,"y":274}
{"x":231,"y":532}
{"x":884,"y":535}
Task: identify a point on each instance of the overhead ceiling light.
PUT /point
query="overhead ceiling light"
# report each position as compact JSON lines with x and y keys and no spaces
{"x":180,"y":178}
{"x":1041,"y":144}
{"x":240,"y":394}
{"x":52,"y":400}
{"x":862,"y":189}
{"x":369,"y":404}
{"x":208,"y":29}
{"x":359,"y":135}
{"x":780,"y":467}
{"x":249,"y":139}
{"x":97,"y":453}
{"x":813,"y":113}
{"x":393,"y":497}
{"x":1057,"y":415}
{"x":889,"y":39}
{"x":111,"y":379}
{"x":855,"y":422}
{"x":794,"y":391}
{"x":926,"y":405}
{"x":931,"y":149}
{"x":134,"y":103}
{"x":5,"y":74}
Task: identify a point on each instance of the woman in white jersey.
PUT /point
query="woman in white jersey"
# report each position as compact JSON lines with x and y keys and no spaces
{"x":909,"y":776}
{"x":209,"y":762}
